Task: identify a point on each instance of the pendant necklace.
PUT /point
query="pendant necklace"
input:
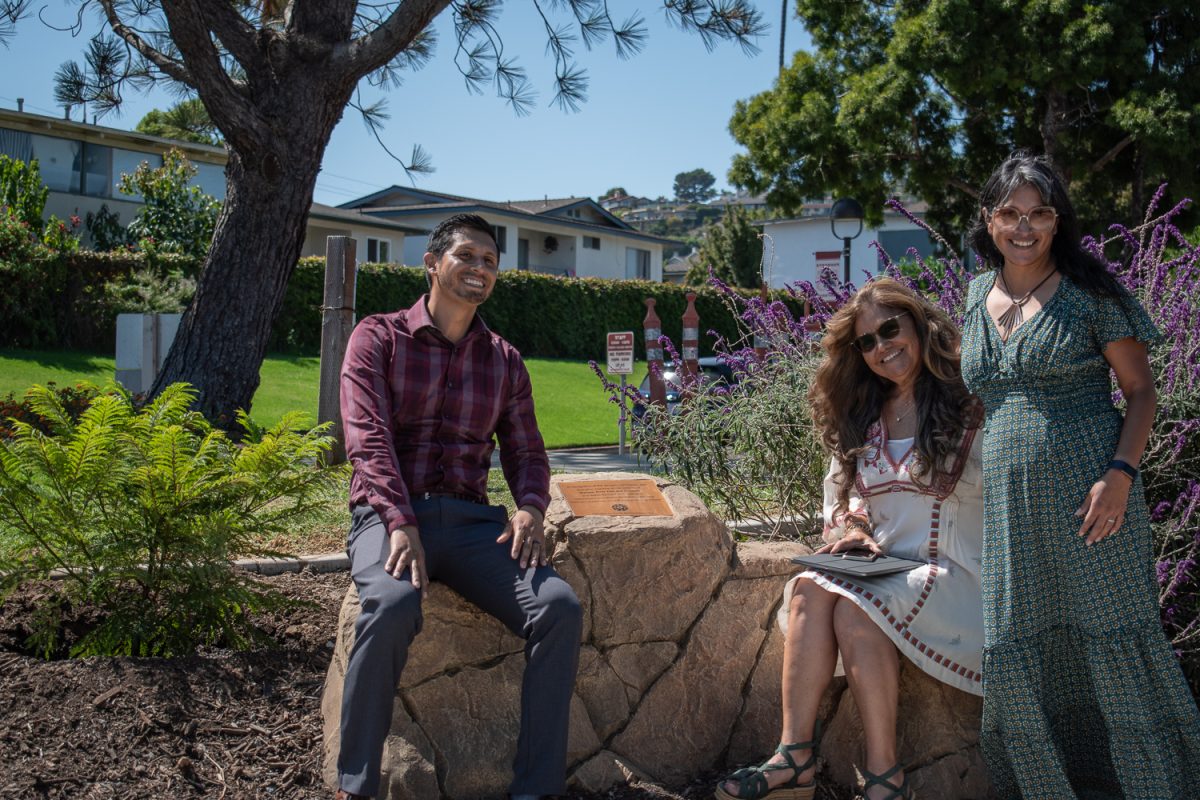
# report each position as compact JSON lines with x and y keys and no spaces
{"x":1011,"y":319}
{"x":907,"y":411}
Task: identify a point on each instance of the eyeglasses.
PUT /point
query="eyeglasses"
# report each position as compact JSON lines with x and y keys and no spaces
{"x":887,"y":330}
{"x":1008,"y":218}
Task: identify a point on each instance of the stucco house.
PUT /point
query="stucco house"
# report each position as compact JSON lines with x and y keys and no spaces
{"x":800,"y":247}
{"x":81,"y":164}
{"x":561,"y":236}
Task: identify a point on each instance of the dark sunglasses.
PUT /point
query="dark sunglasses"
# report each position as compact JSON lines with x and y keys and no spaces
{"x":888,"y":329}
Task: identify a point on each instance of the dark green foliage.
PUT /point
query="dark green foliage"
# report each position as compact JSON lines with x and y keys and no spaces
{"x":928,"y":98}
{"x":106,"y":230}
{"x":23,"y":233}
{"x":187,"y":120}
{"x":66,"y":299}
{"x":175,"y":217}
{"x":540,"y":315}
{"x":72,"y":301}
{"x":694,"y":186}
{"x":733,"y":251}
{"x":141,"y":511}
{"x":22,"y":193}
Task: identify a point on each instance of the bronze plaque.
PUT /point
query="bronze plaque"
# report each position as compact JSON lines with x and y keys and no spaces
{"x":629,"y":498}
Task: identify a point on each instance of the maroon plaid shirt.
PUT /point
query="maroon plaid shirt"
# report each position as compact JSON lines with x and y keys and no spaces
{"x":419,"y":414}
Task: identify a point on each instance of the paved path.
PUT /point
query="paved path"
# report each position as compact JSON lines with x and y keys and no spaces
{"x":589,"y":459}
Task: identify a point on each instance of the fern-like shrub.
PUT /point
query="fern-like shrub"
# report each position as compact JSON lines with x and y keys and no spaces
{"x":139,"y":513}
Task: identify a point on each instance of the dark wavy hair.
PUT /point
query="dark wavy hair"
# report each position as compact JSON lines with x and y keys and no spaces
{"x":1022,"y":168}
{"x":847,"y":398}
{"x":441,"y":237}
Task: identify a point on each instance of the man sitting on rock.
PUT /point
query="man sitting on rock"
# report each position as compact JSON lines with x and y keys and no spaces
{"x":423,"y":392}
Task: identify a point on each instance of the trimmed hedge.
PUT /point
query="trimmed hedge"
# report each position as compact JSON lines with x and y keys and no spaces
{"x":541,"y":315}
{"x":59,"y":301}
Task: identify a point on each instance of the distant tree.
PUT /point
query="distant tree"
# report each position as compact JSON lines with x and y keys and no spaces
{"x":616,"y":191}
{"x":929,"y":97}
{"x":186,"y":121}
{"x":694,"y":186}
{"x":733,"y":249}
{"x":276,"y":77}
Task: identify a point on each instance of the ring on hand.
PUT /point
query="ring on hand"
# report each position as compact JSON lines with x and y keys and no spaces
{"x":1111,"y":519}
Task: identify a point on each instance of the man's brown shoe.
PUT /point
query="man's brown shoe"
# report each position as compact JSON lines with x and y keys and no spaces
{"x":342,"y":794}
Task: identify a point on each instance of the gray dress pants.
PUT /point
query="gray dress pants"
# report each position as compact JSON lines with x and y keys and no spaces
{"x":459,"y":538}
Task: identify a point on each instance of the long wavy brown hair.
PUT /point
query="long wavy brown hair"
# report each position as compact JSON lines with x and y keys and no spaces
{"x":847,"y":398}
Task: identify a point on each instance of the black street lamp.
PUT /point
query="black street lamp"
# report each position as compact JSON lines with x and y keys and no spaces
{"x":846,"y":216}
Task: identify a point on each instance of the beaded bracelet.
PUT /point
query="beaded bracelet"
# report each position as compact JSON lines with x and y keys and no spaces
{"x":860,"y":524}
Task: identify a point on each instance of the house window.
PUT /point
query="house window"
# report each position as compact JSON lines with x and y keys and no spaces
{"x":58,"y":162}
{"x":637,"y":264}
{"x":126,"y":162}
{"x":591,"y":242}
{"x":97,"y":170}
{"x":379,"y":251}
{"x":17,"y":145}
{"x":500,"y":233}
{"x":210,"y":178}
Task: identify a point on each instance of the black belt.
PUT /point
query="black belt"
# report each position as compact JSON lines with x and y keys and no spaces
{"x":470,"y":498}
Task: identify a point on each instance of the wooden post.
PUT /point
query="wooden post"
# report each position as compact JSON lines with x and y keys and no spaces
{"x":690,"y":354}
{"x":337,"y":321}
{"x":652,"y":326}
{"x":762,"y":337}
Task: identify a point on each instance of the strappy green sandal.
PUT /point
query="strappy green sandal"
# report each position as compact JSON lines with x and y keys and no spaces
{"x":901,"y":792}
{"x":752,"y":781}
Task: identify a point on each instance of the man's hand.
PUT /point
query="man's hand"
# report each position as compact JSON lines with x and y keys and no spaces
{"x":407,"y":553}
{"x":528,"y":537}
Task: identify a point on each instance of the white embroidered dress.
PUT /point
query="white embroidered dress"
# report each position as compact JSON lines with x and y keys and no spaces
{"x":933,"y":613}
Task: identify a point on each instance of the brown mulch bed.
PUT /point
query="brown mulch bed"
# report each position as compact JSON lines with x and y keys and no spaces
{"x":220,"y":724}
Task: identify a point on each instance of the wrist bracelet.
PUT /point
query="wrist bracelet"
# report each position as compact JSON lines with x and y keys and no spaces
{"x":1123,"y":466}
{"x":860,"y":524}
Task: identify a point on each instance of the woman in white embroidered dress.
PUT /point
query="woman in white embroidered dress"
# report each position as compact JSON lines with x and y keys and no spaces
{"x":904,"y":480}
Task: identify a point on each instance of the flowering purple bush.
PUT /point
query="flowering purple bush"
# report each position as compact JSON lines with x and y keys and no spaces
{"x":1158,"y":264}
{"x":758,"y":433}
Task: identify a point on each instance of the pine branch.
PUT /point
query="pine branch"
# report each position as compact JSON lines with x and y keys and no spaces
{"x":374,"y":115}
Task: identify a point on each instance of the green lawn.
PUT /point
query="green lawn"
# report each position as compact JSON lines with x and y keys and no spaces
{"x":572,"y":410}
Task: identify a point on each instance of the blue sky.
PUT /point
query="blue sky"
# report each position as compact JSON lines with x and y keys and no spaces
{"x":664,"y":111}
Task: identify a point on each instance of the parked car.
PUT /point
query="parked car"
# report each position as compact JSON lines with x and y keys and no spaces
{"x":713,"y":372}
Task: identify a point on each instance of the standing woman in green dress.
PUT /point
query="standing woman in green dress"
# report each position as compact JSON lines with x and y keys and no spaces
{"x":1083,"y":696}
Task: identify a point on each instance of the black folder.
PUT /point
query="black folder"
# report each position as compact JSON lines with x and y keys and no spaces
{"x":857,"y":564}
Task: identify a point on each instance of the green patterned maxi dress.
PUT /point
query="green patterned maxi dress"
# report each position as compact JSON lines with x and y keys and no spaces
{"x":1082,"y":694}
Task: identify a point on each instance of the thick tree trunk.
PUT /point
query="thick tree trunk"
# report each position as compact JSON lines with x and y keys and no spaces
{"x":223,"y":336}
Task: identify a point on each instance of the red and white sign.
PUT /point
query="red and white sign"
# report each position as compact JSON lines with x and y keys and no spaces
{"x":829,"y":259}
{"x":620,"y":353}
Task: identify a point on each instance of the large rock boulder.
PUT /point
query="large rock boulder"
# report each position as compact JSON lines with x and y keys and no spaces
{"x":679,"y":670}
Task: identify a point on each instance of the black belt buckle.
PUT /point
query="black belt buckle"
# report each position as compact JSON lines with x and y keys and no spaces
{"x":452,"y":495}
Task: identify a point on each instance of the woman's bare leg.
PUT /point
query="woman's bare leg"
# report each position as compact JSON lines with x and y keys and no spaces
{"x":872,"y":666}
{"x":809,"y":658}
